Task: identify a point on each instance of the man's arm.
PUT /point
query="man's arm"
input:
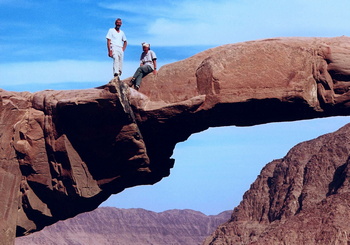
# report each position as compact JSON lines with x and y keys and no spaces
{"x":110,"y":52}
{"x":155,"y":66}
{"x":124,"y":45}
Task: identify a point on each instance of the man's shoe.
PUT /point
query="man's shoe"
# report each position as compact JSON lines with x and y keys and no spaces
{"x":137,"y":87}
{"x":131,"y":82}
{"x":116,"y":75}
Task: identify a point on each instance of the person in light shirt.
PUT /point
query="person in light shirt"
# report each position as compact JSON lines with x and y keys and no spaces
{"x":116,"y":45}
{"x":148,"y":64}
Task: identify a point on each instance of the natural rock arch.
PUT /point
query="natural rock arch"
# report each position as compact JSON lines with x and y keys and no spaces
{"x":64,"y":152}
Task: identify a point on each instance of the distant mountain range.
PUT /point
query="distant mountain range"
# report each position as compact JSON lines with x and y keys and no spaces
{"x":108,"y":225}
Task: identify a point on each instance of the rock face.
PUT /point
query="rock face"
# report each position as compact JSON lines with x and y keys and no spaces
{"x":303,"y":198}
{"x":129,"y":226}
{"x":65,"y":152}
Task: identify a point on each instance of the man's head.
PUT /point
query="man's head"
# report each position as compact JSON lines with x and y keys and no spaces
{"x":146,"y":46}
{"x":118,"y":23}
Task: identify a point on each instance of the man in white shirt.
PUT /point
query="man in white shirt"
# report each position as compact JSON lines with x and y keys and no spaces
{"x":116,"y":45}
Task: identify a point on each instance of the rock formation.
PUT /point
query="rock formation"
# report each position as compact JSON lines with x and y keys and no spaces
{"x":64,"y":152}
{"x":129,"y":226}
{"x":303,"y":198}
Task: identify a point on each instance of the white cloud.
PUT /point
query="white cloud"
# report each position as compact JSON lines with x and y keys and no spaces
{"x":209,"y":22}
{"x":54,"y":72}
{"x":132,"y":8}
{"x":62,"y":71}
{"x":153,"y":9}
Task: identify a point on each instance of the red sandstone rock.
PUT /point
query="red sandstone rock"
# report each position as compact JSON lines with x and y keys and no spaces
{"x":303,"y":198}
{"x":64,"y":152}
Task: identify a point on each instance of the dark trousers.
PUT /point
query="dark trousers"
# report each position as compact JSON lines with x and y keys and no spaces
{"x":141,"y":72}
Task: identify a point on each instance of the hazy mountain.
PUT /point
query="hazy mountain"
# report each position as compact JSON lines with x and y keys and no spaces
{"x":115,"y":226}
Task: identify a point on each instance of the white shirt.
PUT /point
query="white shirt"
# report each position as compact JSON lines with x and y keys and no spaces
{"x":147,"y":58}
{"x":117,"y":38}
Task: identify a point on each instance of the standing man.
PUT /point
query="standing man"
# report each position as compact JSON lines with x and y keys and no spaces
{"x":116,"y":45}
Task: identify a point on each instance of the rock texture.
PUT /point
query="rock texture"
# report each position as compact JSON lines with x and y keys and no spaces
{"x":64,"y":152}
{"x":303,"y":198}
{"x":129,"y":226}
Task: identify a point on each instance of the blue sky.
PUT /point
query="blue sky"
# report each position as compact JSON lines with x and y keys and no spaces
{"x":60,"y":44}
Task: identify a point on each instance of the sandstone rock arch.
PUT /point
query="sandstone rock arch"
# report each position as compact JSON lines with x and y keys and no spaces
{"x":64,"y":152}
